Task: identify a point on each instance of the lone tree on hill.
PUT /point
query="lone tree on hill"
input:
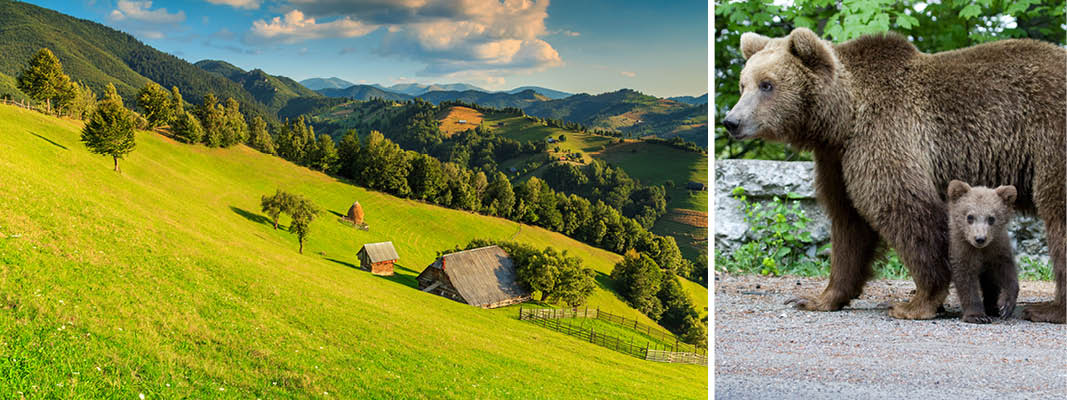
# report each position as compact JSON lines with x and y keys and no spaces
{"x":109,"y":130}
{"x":303,"y":212}
{"x":275,"y":205}
{"x":43,"y":79}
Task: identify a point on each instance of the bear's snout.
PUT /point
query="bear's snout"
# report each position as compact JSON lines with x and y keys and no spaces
{"x":731,"y":125}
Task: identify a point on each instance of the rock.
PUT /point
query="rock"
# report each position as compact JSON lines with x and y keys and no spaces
{"x":763,"y":180}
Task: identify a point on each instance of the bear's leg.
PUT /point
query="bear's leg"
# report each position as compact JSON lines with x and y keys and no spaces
{"x":1008,"y":282}
{"x":1054,"y":311}
{"x":966,"y":280}
{"x":854,"y":242}
{"x":990,"y":281}
{"x":918,"y":230}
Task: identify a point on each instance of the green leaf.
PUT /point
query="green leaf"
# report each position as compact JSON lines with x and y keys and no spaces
{"x":906,"y":21}
{"x":971,"y":11}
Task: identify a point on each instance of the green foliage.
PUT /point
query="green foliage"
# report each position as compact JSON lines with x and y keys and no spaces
{"x":890,"y":267}
{"x":212,"y":119}
{"x":639,"y":279}
{"x":259,"y":138}
{"x":781,"y":241}
{"x":277,"y":204}
{"x":187,"y":129}
{"x":302,"y":211}
{"x":931,"y":26}
{"x":43,"y":78}
{"x":235,"y":128}
{"x":156,"y":103}
{"x":1034,"y":269}
{"x":77,"y":100}
{"x":109,"y":130}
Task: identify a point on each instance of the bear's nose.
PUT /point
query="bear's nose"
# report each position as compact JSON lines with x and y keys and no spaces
{"x":731,"y":125}
{"x":979,"y":239}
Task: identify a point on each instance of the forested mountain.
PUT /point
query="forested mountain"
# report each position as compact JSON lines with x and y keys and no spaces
{"x":550,"y":93}
{"x":690,"y":99}
{"x":325,"y":83}
{"x":415,"y":89}
{"x":495,"y":100}
{"x":630,"y":112}
{"x":95,"y":55}
{"x":273,"y":91}
{"x":363,"y":92}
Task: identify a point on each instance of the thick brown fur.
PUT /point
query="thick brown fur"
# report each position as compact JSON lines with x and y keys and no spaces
{"x":980,"y":256}
{"x":890,"y":126}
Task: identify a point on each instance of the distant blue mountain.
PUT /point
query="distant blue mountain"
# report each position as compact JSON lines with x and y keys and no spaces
{"x":550,"y":93}
{"x":415,"y":89}
{"x":691,"y":100}
{"x":364,"y":92}
{"x":325,"y":83}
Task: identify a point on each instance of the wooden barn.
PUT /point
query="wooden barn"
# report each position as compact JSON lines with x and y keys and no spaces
{"x":484,"y":277}
{"x":378,"y":258}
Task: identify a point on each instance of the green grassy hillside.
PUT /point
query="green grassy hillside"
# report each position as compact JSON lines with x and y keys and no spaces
{"x":167,"y":281}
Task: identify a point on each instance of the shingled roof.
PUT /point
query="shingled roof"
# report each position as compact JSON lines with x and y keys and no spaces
{"x":379,"y":252}
{"x":484,"y":276}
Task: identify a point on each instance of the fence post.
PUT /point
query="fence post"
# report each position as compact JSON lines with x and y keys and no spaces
{"x":520,"y":312}
{"x":591,"y":334}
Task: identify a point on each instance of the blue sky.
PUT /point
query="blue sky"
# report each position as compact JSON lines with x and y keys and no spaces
{"x":593,"y":46}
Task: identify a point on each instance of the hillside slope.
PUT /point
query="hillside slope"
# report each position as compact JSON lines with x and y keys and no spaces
{"x":630,"y":112}
{"x":167,"y":281}
{"x":270,"y":90}
{"x":363,"y":92}
{"x":324,"y":83}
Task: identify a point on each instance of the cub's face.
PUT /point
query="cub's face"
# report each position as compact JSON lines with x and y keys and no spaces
{"x":979,"y":213}
{"x":777,"y":85}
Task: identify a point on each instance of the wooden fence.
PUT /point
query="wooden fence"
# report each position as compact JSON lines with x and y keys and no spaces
{"x":666,"y":348}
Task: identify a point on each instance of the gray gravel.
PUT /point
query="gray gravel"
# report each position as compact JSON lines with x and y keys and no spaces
{"x":767,"y":350}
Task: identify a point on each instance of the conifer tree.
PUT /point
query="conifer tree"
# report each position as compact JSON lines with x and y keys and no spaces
{"x":156,"y":103}
{"x":43,"y":79}
{"x":109,"y":130}
{"x":187,"y":128}
{"x":259,"y":138}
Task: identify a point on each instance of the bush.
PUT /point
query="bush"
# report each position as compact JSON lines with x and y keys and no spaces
{"x":781,"y":244}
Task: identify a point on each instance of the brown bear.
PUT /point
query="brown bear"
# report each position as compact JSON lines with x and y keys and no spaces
{"x":979,"y":250}
{"x":889,"y":126}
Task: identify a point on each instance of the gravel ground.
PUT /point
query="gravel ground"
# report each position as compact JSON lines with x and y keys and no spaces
{"x":767,"y":350}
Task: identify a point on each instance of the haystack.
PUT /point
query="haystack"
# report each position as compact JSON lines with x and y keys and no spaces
{"x":355,"y":213}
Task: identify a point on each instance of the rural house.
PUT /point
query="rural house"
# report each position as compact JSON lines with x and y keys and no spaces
{"x":484,"y":277}
{"x":378,"y":258}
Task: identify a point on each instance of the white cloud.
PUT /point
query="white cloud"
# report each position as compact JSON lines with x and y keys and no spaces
{"x":246,"y":4}
{"x":628,"y":74}
{"x":295,"y":27}
{"x":141,"y":11}
{"x":449,"y":36}
{"x":138,"y":18}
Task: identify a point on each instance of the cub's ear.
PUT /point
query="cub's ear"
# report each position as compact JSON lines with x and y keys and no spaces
{"x":1007,"y":193}
{"x":813,"y":52}
{"x":752,"y":43}
{"x":957,"y":189}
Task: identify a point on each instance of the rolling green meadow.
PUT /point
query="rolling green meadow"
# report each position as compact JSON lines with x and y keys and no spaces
{"x":167,"y":280}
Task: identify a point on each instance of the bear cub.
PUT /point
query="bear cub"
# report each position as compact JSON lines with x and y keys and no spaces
{"x":983,"y":269}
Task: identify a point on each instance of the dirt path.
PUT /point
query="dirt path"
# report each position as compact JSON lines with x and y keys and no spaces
{"x":766,"y":350}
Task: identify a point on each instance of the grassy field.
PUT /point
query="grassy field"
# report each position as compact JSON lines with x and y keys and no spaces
{"x":451,"y":120}
{"x":166,"y":280}
{"x":654,"y":163}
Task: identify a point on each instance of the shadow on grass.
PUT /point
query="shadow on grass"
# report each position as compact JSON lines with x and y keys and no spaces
{"x":50,"y":141}
{"x":401,"y":274}
{"x":337,"y":213}
{"x":605,"y":282}
{"x":404,"y":276}
{"x":259,"y":219}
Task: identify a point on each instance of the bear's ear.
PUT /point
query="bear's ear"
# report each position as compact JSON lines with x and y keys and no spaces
{"x":957,"y":189}
{"x":752,"y":43}
{"x":812,"y":51}
{"x":1007,"y":193}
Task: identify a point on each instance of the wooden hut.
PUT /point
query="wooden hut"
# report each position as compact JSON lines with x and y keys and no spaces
{"x":378,"y":258}
{"x":484,"y":277}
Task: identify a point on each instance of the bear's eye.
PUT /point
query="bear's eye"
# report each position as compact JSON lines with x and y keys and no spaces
{"x":970,"y":219}
{"x":766,"y":86}
{"x":991,"y":220}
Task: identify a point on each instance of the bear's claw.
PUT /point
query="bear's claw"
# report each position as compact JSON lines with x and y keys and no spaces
{"x":977,"y":319}
{"x":810,"y":304}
